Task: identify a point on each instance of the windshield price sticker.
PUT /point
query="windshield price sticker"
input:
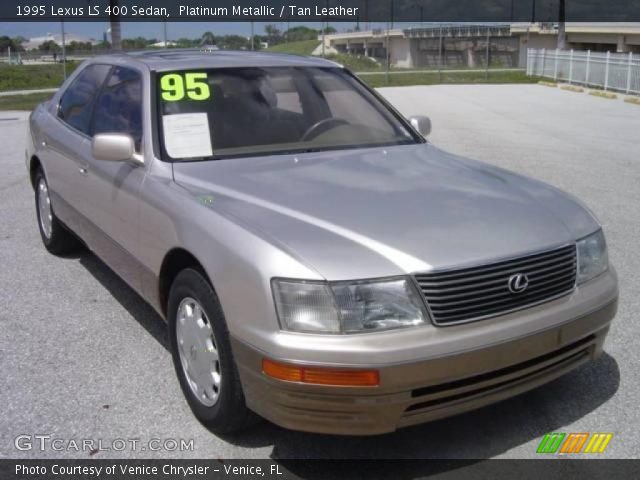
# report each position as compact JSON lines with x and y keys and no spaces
{"x":187,"y":135}
{"x":176,"y":87}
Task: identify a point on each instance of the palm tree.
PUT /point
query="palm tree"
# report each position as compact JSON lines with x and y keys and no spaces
{"x":207,"y":38}
{"x":562,"y":35}
{"x":114,"y":20}
{"x":273,"y":34}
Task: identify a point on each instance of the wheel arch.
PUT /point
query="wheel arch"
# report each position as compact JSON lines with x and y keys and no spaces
{"x":176,"y":260}
{"x":34,"y":165}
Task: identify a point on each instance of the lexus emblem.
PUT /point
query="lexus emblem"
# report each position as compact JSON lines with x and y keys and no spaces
{"x":518,"y":283}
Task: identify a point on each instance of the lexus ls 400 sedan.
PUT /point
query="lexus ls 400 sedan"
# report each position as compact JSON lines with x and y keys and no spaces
{"x":317,"y":261}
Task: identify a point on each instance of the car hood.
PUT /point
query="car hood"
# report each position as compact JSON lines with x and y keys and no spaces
{"x":384,"y":211}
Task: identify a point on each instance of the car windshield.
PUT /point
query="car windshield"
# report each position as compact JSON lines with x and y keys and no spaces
{"x":221,"y":113}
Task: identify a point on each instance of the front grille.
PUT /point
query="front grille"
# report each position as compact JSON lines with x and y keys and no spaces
{"x":468,"y":294}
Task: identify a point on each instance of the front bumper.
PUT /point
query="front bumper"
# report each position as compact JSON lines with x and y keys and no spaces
{"x":436,"y":387}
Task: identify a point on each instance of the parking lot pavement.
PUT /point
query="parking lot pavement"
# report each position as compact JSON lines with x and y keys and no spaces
{"x":83,"y":357}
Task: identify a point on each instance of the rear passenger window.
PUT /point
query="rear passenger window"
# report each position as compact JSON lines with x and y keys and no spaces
{"x":119,"y":105}
{"x":76,"y":104}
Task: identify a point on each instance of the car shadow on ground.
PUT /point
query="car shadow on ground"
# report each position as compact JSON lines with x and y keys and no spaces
{"x":484,"y":433}
{"x":139,"y":309}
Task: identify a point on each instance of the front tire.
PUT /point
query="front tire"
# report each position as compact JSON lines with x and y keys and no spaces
{"x":55,"y":236}
{"x":202,"y":355}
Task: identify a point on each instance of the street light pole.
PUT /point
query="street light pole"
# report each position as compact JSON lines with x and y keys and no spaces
{"x":165,"y":33}
{"x":440,"y":55}
{"x":388,"y":55}
{"x":327,"y":18}
{"x":488,"y":52}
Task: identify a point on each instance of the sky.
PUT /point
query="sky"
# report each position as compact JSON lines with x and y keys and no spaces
{"x":175,"y":30}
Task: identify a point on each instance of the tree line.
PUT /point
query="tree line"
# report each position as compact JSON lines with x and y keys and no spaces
{"x":272,"y":36}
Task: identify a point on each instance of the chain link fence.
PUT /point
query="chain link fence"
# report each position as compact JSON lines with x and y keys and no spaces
{"x":610,"y":71}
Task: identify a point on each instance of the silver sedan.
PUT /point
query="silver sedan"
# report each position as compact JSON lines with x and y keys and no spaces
{"x":317,"y":261}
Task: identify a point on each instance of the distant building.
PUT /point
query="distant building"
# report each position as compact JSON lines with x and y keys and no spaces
{"x":35,"y":42}
{"x":164,"y":44}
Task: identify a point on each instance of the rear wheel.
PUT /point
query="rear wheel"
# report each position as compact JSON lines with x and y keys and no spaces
{"x":202,"y":355}
{"x":55,"y":236}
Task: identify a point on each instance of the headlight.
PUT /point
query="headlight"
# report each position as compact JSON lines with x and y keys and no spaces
{"x":305,"y":306}
{"x":592,"y":256}
{"x":348,"y":307}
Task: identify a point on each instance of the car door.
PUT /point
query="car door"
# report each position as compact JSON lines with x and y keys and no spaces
{"x":64,"y":138}
{"x":113,"y":187}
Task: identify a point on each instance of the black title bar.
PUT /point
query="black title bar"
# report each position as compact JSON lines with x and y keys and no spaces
{"x":282,"y":469}
{"x":320,"y":10}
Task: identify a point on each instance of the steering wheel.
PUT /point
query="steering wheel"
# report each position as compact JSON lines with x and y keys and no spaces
{"x":321,"y":127}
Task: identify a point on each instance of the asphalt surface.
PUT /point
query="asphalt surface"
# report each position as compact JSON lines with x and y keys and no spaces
{"x":83,"y":357}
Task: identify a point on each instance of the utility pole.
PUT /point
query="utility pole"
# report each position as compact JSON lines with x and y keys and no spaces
{"x":391,"y":13}
{"x":64,"y":53}
{"x":366,"y":14}
{"x":252,"y":38}
{"x":562,"y":35}
{"x":533,"y":11}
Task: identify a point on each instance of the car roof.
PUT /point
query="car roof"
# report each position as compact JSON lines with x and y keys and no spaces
{"x":180,"y":59}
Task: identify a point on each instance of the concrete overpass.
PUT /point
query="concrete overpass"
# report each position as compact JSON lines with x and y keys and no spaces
{"x":598,"y":37}
{"x":469,"y":45}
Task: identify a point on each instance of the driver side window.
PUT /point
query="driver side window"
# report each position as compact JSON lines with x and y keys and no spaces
{"x":119,"y":105}
{"x":76,"y":104}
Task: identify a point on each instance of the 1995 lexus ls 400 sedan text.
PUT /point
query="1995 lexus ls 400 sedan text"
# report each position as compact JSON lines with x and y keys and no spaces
{"x":317,"y":261}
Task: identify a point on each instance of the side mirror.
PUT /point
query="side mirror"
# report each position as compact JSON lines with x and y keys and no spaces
{"x":421,"y":123}
{"x":114,"y":147}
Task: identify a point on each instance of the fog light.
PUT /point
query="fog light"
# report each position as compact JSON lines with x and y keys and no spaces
{"x":341,"y":377}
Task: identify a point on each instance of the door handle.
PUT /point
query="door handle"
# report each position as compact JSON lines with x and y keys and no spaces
{"x":83,"y":171}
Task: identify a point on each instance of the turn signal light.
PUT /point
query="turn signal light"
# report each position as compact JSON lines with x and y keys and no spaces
{"x":321,"y":376}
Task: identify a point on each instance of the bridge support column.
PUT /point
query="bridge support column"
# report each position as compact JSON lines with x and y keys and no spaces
{"x":470,"y":55}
